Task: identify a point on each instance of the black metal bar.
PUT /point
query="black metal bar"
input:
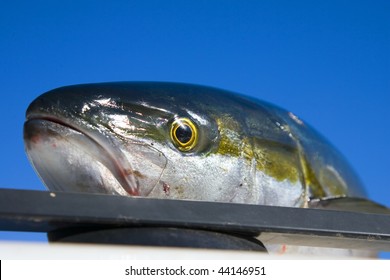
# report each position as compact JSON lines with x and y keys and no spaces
{"x":40,"y":211}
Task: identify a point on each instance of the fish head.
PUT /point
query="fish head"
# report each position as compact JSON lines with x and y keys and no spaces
{"x":117,"y":138}
{"x":180,"y":141}
{"x":169,"y":140}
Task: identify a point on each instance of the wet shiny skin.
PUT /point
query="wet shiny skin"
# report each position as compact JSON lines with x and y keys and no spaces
{"x":130,"y":139}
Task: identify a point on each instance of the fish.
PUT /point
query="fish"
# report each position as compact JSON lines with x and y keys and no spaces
{"x":188,"y":142}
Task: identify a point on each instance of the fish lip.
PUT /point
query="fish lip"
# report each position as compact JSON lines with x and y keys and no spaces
{"x":132,"y":190}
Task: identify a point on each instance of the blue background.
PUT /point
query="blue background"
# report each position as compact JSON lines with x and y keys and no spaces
{"x":326,"y":61}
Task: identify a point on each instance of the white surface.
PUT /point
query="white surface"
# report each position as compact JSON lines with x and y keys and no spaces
{"x":42,"y":251}
{"x":24,"y":250}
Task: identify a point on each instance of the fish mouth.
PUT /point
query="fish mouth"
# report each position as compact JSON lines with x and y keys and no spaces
{"x":68,"y":158}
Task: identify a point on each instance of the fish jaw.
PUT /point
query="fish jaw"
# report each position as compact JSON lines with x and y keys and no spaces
{"x":69,"y":159}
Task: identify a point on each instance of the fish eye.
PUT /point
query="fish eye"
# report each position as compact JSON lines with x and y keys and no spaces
{"x":184,"y":134}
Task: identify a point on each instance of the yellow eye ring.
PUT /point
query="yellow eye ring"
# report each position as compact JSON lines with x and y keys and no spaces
{"x":184,"y":134}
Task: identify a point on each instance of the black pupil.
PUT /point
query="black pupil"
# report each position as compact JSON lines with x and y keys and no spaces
{"x":183,"y":133}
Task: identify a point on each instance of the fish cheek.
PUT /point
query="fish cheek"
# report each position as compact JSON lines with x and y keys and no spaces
{"x":147,"y":166}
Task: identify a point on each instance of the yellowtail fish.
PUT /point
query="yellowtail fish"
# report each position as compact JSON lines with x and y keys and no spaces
{"x":181,"y":141}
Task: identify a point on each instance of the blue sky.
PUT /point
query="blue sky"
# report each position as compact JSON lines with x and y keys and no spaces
{"x":326,"y":61}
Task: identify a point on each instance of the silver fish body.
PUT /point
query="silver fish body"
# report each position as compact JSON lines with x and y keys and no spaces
{"x":181,"y":141}
{"x":116,"y":138}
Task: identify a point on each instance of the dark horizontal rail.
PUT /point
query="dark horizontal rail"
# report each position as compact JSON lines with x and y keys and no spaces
{"x":40,"y":211}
